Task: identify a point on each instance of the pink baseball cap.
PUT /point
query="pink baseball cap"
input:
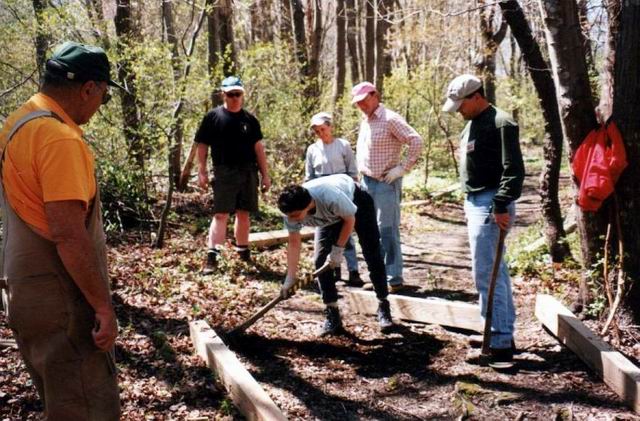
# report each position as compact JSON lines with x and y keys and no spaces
{"x":361,"y":90}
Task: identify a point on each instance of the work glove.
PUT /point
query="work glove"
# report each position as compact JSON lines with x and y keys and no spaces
{"x":393,"y":174}
{"x":335,"y":257}
{"x":288,"y":287}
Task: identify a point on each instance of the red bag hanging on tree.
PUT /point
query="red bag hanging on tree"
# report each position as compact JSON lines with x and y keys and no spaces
{"x":597,"y":164}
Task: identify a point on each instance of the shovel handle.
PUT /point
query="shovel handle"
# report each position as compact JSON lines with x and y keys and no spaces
{"x":486,"y":337}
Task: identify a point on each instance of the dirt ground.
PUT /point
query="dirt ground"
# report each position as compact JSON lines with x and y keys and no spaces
{"x":420,"y":372}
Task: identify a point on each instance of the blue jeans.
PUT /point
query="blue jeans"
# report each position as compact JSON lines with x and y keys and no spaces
{"x":483,"y":239}
{"x":386,"y":198}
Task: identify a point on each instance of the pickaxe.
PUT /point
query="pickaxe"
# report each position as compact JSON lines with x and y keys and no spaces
{"x":258,"y":314}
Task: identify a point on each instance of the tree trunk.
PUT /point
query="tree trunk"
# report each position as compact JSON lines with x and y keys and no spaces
{"x":626,"y":109}
{"x":340,"y":68}
{"x":542,"y":80}
{"x":352,"y":41}
{"x":300,"y":38}
{"x":383,"y":59}
{"x":261,"y":21}
{"x":605,"y":107}
{"x":96,"y":15}
{"x":214,"y":51}
{"x":316,"y":45}
{"x":128,"y":35}
{"x":490,"y":42}
{"x":227,"y":45}
{"x":43,"y":39}
{"x":285,"y":21}
{"x":370,"y":40}
{"x":175,"y":153}
{"x":575,"y":103}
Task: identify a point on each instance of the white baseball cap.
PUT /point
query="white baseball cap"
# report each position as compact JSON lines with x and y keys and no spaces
{"x":361,"y":90}
{"x":459,"y":88}
{"x":320,"y":119}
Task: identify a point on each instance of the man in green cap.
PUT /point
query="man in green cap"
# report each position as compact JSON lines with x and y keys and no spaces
{"x":234,"y":137}
{"x":53,"y":252}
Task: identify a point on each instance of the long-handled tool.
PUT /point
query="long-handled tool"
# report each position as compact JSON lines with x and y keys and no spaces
{"x":258,"y":314}
{"x":486,"y":337}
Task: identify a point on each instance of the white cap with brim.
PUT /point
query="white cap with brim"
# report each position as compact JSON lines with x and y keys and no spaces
{"x":232,"y":83}
{"x":320,"y":119}
{"x":458,"y":90}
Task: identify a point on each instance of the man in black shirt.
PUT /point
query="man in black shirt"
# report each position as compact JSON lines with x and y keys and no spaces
{"x":491,"y":173}
{"x":237,"y":152}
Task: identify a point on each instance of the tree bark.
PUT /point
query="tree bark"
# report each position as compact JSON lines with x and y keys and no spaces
{"x":370,"y":40}
{"x":43,"y":39}
{"x":352,"y":41}
{"x":626,"y":109}
{"x":383,"y":59}
{"x":575,"y":103}
{"x":340,"y":68}
{"x":128,"y":34}
{"x":227,"y":44}
{"x":285,"y":21}
{"x":605,"y":107}
{"x":540,"y":73}
{"x":490,"y":43}
{"x":300,"y":38}
{"x":316,"y":46}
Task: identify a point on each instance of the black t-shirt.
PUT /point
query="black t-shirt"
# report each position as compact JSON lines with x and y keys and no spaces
{"x":232,"y":136}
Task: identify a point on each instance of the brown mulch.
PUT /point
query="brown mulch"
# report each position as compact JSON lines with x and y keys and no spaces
{"x":420,"y":372}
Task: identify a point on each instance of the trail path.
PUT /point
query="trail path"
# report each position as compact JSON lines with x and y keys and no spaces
{"x":424,"y":372}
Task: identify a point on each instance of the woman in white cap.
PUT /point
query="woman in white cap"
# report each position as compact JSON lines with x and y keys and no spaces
{"x":330,"y":155}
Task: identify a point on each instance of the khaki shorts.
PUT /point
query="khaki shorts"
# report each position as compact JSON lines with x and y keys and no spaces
{"x":235,"y":188}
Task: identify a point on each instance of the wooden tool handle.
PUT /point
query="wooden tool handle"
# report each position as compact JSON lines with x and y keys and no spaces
{"x":486,"y":337}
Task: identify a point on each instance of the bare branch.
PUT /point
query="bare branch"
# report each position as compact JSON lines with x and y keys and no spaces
{"x":19,"y":84}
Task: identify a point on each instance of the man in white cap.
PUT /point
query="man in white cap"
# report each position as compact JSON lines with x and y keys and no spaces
{"x":491,"y":175}
{"x":238,"y":154}
{"x":383,"y":135}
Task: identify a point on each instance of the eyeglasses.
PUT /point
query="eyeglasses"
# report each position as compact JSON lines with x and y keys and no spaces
{"x":235,"y":94}
{"x":106,"y":97}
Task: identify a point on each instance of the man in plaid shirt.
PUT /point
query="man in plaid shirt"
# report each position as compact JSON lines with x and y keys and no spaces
{"x":383,"y":134}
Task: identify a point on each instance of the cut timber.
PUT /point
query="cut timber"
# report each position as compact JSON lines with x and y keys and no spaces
{"x":8,"y":343}
{"x":426,"y":310}
{"x":620,"y":374}
{"x":435,"y":195}
{"x":271,"y":238}
{"x":247,"y":395}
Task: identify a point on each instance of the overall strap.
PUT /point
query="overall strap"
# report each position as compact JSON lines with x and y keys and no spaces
{"x":24,"y":120}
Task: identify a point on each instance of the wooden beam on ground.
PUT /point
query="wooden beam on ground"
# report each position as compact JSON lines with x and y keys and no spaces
{"x":620,"y":374}
{"x":568,"y":229}
{"x":425,"y":310}
{"x":8,"y":343}
{"x":271,"y":238}
{"x":247,"y":395}
{"x":435,"y":195}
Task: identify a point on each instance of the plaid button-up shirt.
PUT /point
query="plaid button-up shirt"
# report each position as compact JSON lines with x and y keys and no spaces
{"x":380,"y":141}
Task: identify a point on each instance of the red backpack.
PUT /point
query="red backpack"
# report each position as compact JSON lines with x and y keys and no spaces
{"x":597,"y":164}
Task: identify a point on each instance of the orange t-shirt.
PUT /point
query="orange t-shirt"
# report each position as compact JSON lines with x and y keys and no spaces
{"x":46,"y":161}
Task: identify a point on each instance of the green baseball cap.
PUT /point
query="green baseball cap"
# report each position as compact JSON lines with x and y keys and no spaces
{"x":81,"y":62}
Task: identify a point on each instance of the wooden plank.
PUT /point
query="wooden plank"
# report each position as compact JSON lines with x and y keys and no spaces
{"x":620,"y":374}
{"x":271,"y":238}
{"x":8,"y":343}
{"x":425,"y":310}
{"x":568,"y":229}
{"x":247,"y":395}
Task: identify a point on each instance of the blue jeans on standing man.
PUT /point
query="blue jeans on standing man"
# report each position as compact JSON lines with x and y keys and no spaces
{"x":483,"y":240}
{"x":386,"y":198}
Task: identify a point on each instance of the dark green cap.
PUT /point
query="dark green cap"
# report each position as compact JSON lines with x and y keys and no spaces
{"x":81,"y":62}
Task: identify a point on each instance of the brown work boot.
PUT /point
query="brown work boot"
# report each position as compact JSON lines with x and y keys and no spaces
{"x":244,"y":253}
{"x":211,"y":262}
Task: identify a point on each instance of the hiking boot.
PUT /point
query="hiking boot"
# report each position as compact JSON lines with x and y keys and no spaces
{"x":333,"y":323}
{"x":394,"y":289}
{"x":244,"y":253}
{"x":354,"y":279}
{"x":475,"y":341}
{"x":337,"y":275}
{"x":501,"y":358}
{"x":384,"y":316}
{"x":211,"y":263}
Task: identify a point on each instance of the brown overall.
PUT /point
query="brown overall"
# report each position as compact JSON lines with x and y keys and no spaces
{"x":52,"y":323}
